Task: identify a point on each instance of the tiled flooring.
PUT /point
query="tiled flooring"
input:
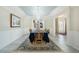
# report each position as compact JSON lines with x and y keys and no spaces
{"x":13,"y":46}
{"x":58,"y":40}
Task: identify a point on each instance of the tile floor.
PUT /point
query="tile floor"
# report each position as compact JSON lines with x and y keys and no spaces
{"x":58,"y":40}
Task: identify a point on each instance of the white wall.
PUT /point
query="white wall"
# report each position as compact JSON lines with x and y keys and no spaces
{"x":8,"y":34}
{"x":73,"y":34}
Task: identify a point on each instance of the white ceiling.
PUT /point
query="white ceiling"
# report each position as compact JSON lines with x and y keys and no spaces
{"x":38,"y":11}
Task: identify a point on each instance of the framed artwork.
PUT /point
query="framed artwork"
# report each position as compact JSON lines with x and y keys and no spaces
{"x":41,"y":25}
{"x":34,"y":22}
{"x":14,"y":21}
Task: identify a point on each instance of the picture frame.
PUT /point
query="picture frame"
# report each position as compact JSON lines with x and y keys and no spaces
{"x":15,"y":21}
{"x":41,"y":25}
{"x":34,"y":22}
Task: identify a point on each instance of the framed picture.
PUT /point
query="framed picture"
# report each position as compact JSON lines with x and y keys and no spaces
{"x":41,"y":25}
{"x":34,"y":22}
{"x":14,"y":21}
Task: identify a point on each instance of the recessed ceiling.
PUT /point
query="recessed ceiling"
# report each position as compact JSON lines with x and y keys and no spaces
{"x":37,"y":11}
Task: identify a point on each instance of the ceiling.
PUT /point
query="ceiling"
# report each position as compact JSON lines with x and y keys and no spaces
{"x":37,"y":11}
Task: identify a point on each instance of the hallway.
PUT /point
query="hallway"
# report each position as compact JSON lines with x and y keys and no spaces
{"x":51,"y":29}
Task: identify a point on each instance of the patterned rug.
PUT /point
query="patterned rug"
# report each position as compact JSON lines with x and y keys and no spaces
{"x":30,"y":47}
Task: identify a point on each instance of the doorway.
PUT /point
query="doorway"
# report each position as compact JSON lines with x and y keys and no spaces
{"x":61,"y":25}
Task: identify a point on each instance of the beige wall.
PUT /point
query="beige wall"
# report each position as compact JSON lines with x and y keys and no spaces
{"x":27,"y":22}
{"x":5,"y":17}
{"x":73,"y":34}
{"x":74,"y":18}
{"x":47,"y":22}
{"x":8,"y":34}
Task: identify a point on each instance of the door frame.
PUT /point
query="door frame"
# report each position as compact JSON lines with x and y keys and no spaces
{"x":56,"y":27}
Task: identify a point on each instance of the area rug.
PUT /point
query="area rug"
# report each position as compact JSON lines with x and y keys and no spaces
{"x":42,"y":47}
